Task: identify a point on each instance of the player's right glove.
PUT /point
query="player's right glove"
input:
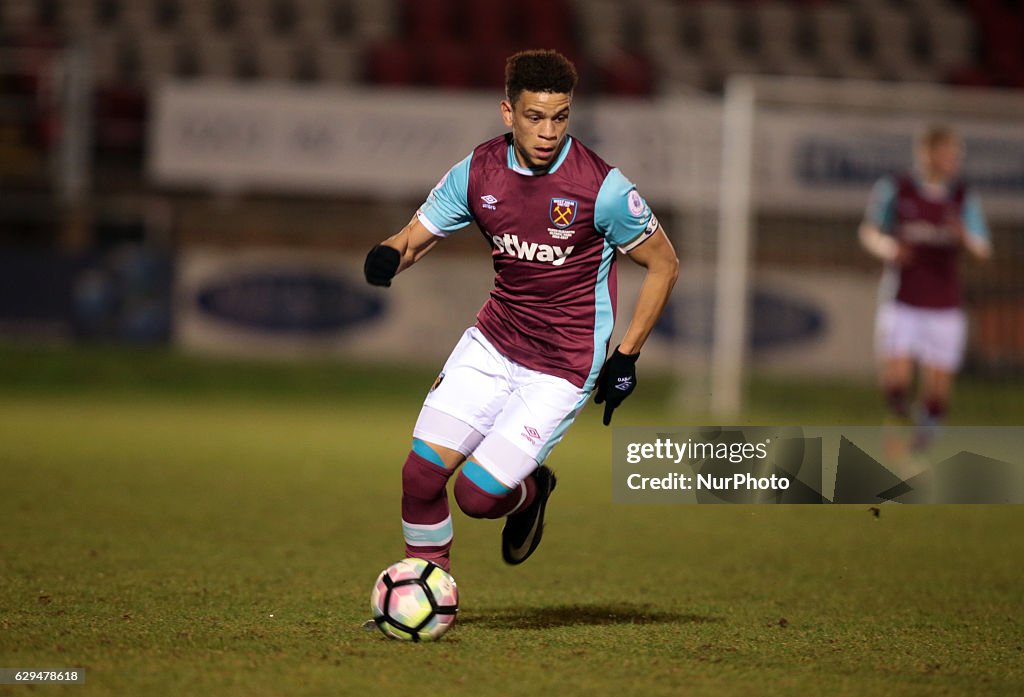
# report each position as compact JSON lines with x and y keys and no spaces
{"x":381,"y":265}
{"x":616,"y":382}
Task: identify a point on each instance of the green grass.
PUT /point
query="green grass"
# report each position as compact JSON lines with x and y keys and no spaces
{"x":187,"y":526}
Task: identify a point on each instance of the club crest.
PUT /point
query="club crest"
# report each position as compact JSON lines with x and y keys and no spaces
{"x":562,"y":212}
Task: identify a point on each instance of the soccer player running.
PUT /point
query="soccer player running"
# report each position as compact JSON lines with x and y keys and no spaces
{"x":917,"y":223}
{"x":554,"y":215}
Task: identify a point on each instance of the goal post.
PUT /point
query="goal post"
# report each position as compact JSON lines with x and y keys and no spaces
{"x":731,"y":287}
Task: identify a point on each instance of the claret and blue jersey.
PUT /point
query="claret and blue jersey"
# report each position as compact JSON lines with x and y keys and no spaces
{"x":553,"y":237}
{"x":920,"y":215}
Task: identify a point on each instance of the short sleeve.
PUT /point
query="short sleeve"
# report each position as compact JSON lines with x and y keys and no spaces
{"x":621,"y":214}
{"x":974,"y":218}
{"x":447,"y":206}
{"x":881,"y":210}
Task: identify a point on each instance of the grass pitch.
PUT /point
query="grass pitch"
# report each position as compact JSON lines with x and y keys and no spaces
{"x":179,"y":526}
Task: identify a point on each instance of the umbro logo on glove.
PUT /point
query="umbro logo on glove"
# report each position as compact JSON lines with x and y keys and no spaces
{"x":616,"y":382}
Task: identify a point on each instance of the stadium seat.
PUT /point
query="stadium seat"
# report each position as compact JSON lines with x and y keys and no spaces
{"x":428,"y":20}
{"x":187,"y":66}
{"x":392,"y":63}
{"x":39,"y":13}
{"x":158,"y":56}
{"x":715,"y":29}
{"x":780,"y":28}
{"x":645,"y":45}
{"x":489,"y":64}
{"x":77,"y":20}
{"x":16,"y":13}
{"x":628,"y":75}
{"x":224,"y":15}
{"x":778,"y":56}
{"x":775,"y":18}
{"x":658,"y":27}
{"x":373,"y":19}
{"x":195,"y":17}
{"x":677,"y":72}
{"x":103,"y":51}
{"x":951,"y":37}
{"x":342,"y":20}
{"x":338,"y":61}
{"x":718,"y":21}
{"x":893,"y":35}
{"x":969,"y":76}
{"x":251,"y":27}
{"x":549,"y":24}
{"x":318,"y":20}
{"x":245,"y":63}
{"x":832,"y":29}
{"x":599,"y":27}
{"x":487,"y":22}
{"x":309,"y":13}
{"x":165,"y":14}
{"x":277,"y":58}
{"x":282,"y":16}
{"x":106,"y":13}
{"x":216,"y":56}
{"x":448,"y":65}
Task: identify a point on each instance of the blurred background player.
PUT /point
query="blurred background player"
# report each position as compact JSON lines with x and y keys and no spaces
{"x":554,"y":214}
{"x":917,"y":223}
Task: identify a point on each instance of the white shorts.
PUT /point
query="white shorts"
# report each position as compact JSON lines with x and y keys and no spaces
{"x":507,"y":416}
{"x":935,"y":337}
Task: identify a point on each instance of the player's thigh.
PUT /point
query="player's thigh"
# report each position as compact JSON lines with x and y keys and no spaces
{"x":472,"y":388}
{"x":534,"y":420}
{"x":945,"y":337}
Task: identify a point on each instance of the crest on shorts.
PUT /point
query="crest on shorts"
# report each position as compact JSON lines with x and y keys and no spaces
{"x":437,"y":382}
{"x":562,"y":212}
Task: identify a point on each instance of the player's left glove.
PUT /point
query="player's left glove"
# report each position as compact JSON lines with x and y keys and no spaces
{"x":381,"y":265}
{"x":616,"y":382}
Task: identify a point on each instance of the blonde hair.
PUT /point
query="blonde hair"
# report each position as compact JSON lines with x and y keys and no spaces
{"x":936,"y":134}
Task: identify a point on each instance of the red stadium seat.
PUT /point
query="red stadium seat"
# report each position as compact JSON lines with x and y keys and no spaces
{"x":549,"y":24}
{"x":448,"y":65}
{"x":969,"y":77}
{"x":628,"y":75}
{"x":489,"y":64}
{"x":488,"y":22}
{"x":392,"y":63}
{"x":429,"y":20}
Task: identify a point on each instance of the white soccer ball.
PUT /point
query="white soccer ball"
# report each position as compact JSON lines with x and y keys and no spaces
{"x":414,"y":600}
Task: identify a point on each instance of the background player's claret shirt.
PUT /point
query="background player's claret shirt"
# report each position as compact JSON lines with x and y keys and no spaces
{"x":919,"y":214}
{"x":553,"y":237}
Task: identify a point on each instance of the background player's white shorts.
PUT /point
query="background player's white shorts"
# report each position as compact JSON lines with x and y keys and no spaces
{"x":520,"y":414}
{"x":935,"y":337}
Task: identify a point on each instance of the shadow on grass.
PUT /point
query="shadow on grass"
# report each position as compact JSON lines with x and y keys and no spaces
{"x":575,"y":615}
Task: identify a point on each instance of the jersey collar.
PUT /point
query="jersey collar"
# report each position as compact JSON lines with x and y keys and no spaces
{"x":936,"y":191}
{"x":514,"y":165}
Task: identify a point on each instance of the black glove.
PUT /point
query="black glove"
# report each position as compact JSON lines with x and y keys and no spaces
{"x":381,"y":265}
{"x":616,"y":382}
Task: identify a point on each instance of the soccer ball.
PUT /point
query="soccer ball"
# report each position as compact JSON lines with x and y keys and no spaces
{"x":414,"y":600}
